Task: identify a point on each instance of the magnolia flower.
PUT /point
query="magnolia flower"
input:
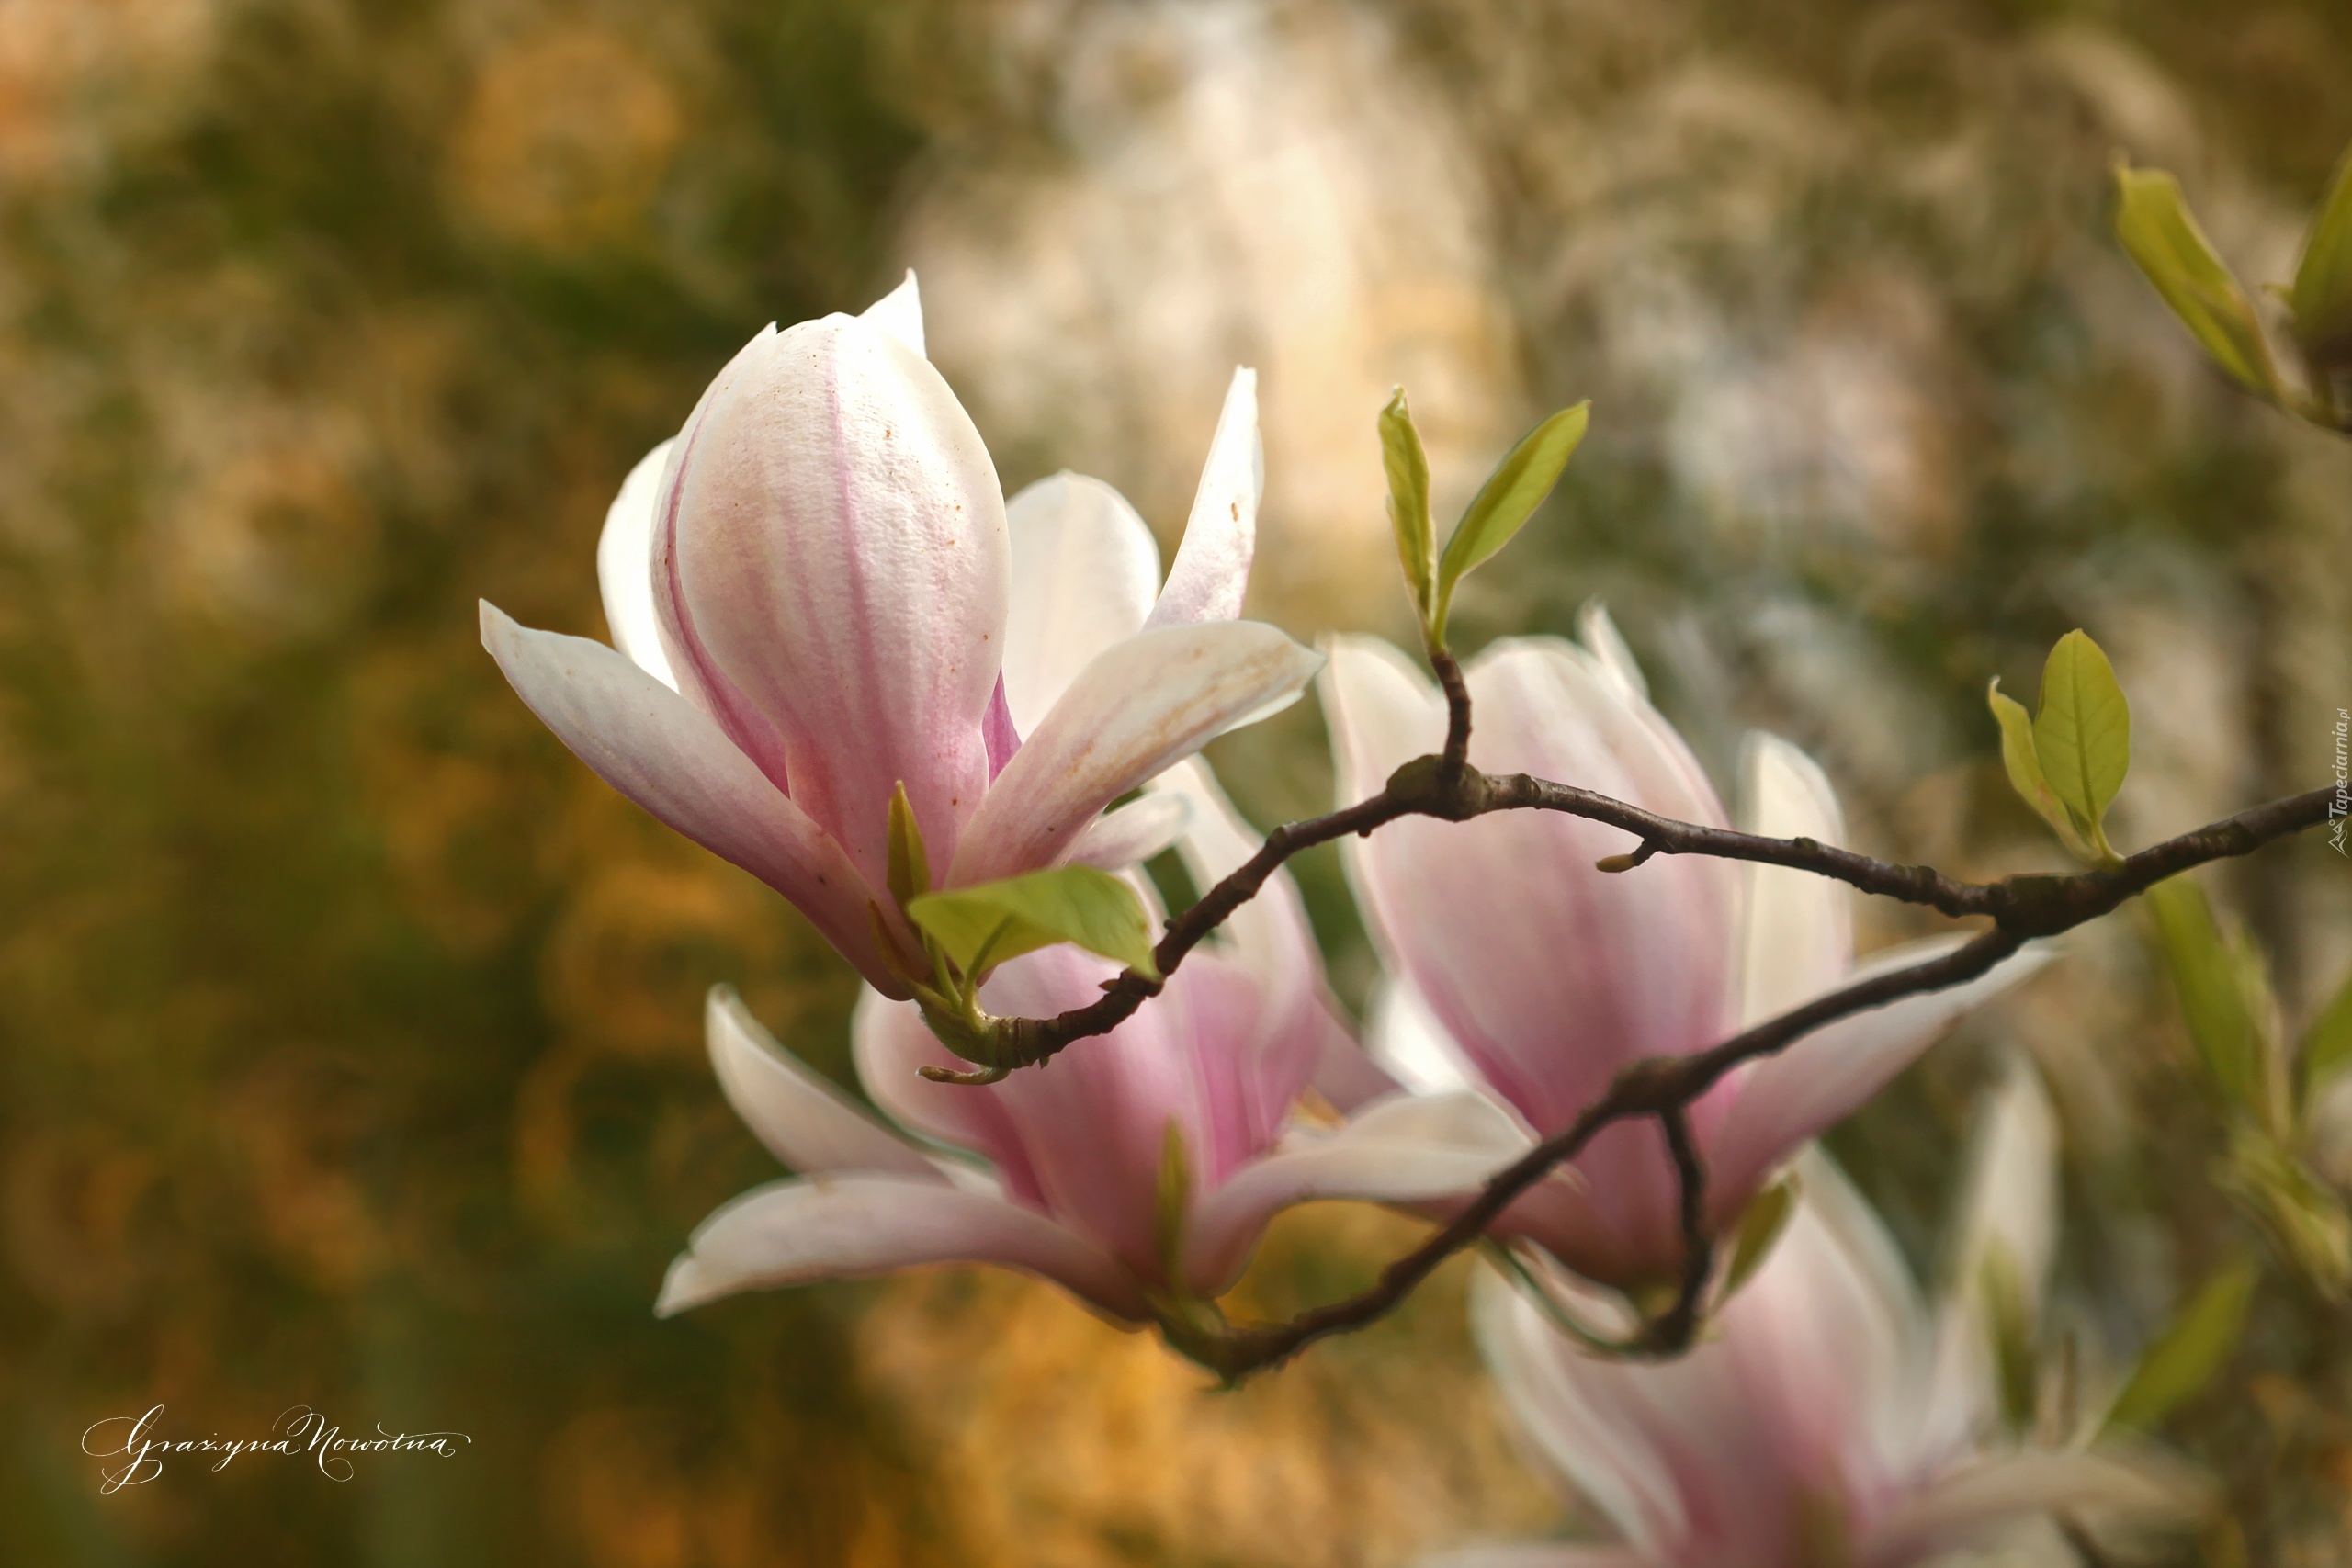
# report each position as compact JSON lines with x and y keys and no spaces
{"x":1827,"y":1419}
{"x":815,"y":598}
{"x":1520,"y":968}
{"x":1137,"y":1172}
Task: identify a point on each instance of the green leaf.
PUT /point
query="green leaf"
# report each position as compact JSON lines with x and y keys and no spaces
{"x":1760,"y":1225}
{"x":2322,"y":297}
{"x":2191,"y":1352}
{"x":1408,"y":503}
{"x":2162,"y":237}
{"x":2327,"y":1044}
{"x":2082,"y":734}
{"x":2212,"y":984}
{"x":1506,"y":500}
{"x":908,"y":871}
{"x":976,"y":927}
{"x":2024,"y":765}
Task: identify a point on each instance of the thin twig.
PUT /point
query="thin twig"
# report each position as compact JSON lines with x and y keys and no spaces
{"x":2024,"y":907}
{"x":1655,"y":1086}
{"x":1455,"y":758}
{"x":1445,"y":786}
{"x":1670,"y":1332}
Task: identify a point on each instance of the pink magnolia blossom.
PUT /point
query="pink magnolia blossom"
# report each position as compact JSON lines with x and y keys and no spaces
{"x":1828,"y":1418}
{"x":814,"y":597}
{"x":1137,"y":1171}
{"x":1520,"y":968}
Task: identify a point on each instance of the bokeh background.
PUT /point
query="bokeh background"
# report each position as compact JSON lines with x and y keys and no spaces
{"x":349,"y":1042}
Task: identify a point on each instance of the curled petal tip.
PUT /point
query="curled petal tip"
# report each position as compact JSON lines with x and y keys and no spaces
{"x":682,"y":1288}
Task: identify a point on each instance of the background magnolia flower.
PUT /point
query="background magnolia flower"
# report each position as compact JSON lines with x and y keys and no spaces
{"x":1140,"y":1168}
{"x":1829,"y":1418}
{"x":1520,"y":968}
{"x":814,"y":597}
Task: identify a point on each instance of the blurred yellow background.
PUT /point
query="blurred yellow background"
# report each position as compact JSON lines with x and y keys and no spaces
{"x":349,"y":1030}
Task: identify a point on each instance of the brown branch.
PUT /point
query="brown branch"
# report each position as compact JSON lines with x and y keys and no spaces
{"x":1445,"y":786}
{"x":1670,"y":1332}
{"x":1656,"y":1085}
{"x":1455,"y":758}
{"x":1665,"y":1087}
{"x":2024,"y":907}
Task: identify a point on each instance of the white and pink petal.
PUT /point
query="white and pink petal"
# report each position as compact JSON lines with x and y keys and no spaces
{"x":662,"y":752}
{"x":1139,"y":707}
{"x":854,"y":1227}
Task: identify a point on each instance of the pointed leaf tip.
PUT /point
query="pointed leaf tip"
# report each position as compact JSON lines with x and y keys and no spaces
{"x":985,"y":925}
{"x":2191,"y":1352}
{"x":1408,"y":467}
{"x":1508,"y":499}
{"x":2322,"y":295}
{"x":2163,"y":240}
{"x":2023,"y":764}
{"x":2082,"y":734}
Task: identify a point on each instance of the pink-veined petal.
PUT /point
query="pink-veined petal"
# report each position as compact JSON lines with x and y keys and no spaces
{"x":891,"y":1045}
{"x":1816,"y":1083}
{"x":1578,"y":1429}
{"x":1270,"y":934}
{"x":1084,"y":569}
{"x":1211,"y":574}
{"x":654,"y":747}
{"x":1302,"y":1038}
{"x":1345,"y":1074}
{"x":852,"y":1226}
{"x":699,"y":680}
{"x":1405,"y":1149}
{"x":802,"y":1118}
{"x":1140,"y":705}
{"x":899,"y":314}
{"x":836,"y":544}
{"x":1799,"y":935}
{"x":625,"y":567}
{"x":1549,"y":974}
{"x":1717,"y":1454}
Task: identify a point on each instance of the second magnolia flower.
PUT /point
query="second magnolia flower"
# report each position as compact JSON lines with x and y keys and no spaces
{"x":1520,"y":968}
{"x":814,"y":599}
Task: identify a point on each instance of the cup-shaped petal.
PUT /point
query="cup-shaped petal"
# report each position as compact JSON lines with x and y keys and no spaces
{"x":1549,"y":974}
{"x":1085,"y":570}
{"x":832,"y":546}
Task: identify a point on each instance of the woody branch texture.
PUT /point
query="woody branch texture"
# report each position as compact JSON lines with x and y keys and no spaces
{"x":1443,"y":786}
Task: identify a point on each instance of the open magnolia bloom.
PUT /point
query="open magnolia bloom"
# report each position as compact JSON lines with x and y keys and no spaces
{"x":1137,"y":1172}
{"x":1519,"y":967}
{"x":1828,"y":1417}
{"x":815,"y":598}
